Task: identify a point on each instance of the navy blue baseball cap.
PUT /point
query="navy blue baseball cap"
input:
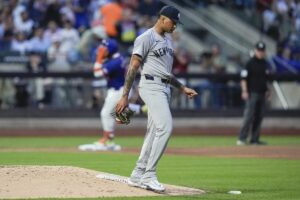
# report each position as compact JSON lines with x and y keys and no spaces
{"x":171,"y":12}
{"x":111,"y":45}
{"x":261,"y":46}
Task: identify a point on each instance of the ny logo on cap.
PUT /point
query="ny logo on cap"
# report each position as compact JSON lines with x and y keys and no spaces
{"x":260,"y":45}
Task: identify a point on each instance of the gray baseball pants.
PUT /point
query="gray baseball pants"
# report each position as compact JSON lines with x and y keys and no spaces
{"x":253,"y":117}
{"x":156,"y":96}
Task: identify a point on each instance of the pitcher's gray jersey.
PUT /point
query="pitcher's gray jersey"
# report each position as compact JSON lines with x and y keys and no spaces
{"x":156,"y":52}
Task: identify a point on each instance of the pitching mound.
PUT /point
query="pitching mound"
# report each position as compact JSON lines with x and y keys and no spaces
{"x":71,"y":182}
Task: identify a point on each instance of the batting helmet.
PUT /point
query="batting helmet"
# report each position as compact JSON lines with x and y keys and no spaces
{"x":111,"y":45}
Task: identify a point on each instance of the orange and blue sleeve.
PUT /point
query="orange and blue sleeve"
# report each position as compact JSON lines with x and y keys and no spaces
{"x":98,"y":71}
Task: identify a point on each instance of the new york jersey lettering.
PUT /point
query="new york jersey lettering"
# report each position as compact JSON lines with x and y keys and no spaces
{"x":163,"y":51}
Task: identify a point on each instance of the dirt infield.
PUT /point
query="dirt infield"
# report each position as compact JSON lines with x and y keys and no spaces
{"x":209,"y":131}
{"x":23,"y":182}
{"x":279,"y":152}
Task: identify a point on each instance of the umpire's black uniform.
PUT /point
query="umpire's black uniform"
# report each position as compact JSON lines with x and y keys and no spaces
{"x":254,"y":88}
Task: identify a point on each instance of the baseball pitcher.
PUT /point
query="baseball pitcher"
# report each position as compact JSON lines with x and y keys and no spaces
{"x":153,"y":52}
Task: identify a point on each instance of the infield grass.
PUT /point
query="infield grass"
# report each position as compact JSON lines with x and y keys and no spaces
{"x":263,"y":179}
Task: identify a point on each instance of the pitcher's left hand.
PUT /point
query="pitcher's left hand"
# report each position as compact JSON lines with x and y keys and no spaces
{"x":189,"y":92}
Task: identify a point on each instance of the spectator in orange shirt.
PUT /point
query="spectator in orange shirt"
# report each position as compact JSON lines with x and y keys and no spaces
{"x":111,"y":14}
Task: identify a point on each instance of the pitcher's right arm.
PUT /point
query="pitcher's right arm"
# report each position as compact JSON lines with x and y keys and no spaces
{"x":134,"y":65}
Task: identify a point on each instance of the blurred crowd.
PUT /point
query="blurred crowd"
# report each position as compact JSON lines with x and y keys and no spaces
{"x":280,"y":20}
{"x":60,"y":35}
{"x":63,"y":36}
{"x":68,"y":31}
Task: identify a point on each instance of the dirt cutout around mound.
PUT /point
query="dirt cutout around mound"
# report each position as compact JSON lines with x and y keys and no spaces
{"x":20,"y":182}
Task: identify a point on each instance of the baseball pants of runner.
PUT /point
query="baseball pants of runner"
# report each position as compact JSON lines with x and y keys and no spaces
{"x":111,"y":100}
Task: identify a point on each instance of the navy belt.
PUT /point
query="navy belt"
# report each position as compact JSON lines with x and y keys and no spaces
{"x":163,"y":80}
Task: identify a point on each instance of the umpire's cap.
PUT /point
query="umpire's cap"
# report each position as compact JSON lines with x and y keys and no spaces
{"x":261,"y":46}
{"x":111,"y":45}
{"x":171,"y":12}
